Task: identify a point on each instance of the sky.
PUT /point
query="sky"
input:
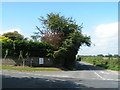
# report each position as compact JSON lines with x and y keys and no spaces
{"x":100,"y":21}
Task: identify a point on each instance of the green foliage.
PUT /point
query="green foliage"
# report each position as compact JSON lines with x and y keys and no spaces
{"x":14,"y":36}
{"x":41,"y":49}
{"x":28,"y":48}
{"x":55,"y":22}
{"x":66,"y":55}
{"x":71,"y":47}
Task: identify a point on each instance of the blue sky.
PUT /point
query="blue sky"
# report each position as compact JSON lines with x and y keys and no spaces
{"x":99,"y":21}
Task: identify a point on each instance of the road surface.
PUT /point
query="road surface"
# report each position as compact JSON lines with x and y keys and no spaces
{"x":87,"y":76}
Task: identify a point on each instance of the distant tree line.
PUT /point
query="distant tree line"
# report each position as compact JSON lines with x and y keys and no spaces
{"x":79,"y":57}
{"x":109,"y":55}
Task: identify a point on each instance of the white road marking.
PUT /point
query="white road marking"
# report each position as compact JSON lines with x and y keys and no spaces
{"x":102,"y":77}
{"x":98,"y":74}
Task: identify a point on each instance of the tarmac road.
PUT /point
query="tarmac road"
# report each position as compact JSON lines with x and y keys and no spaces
{"x":87,"y":76}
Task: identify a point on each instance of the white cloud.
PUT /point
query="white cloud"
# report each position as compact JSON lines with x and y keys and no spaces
{"x":106,"y":30}
{"x":105,"y":40}
{"x":106,"y":34}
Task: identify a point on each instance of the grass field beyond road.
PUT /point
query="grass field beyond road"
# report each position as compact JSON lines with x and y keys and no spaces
{"x":107,"y":63}
{"x":20,"y":68}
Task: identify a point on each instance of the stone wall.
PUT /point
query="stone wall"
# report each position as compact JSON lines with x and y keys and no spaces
{"x":8,"y":62}
{"x":32,"y":61}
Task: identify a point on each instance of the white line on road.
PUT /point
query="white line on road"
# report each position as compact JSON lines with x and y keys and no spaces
{"x":98,"y":74}
{"x":102,"y":77}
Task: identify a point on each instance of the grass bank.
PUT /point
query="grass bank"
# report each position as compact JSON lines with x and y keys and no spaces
{"x":20,"y":68}
{"x":107,"y":63}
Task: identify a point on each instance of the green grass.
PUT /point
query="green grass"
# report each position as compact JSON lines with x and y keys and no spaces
{"x":29,"y":68}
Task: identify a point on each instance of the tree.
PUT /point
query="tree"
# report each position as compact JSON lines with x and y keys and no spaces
{"x":36,"y":36}
{"x":70,"y":38}
{"x":116,"y":55}
{"x":14,"y":36}
{"x":101,"y":55}
{"x":55,"y":27}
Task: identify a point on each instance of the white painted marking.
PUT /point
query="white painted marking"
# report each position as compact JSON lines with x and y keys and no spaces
{"x":102,"y":77}
{"x":98,"y":74}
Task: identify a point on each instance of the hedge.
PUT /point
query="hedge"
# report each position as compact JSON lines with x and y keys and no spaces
{"x":28,"y":48}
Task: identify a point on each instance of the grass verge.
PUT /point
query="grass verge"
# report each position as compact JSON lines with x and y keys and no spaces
{"x":18,"y":68}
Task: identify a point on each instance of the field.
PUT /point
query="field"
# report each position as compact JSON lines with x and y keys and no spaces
{"x":105,"y":62}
